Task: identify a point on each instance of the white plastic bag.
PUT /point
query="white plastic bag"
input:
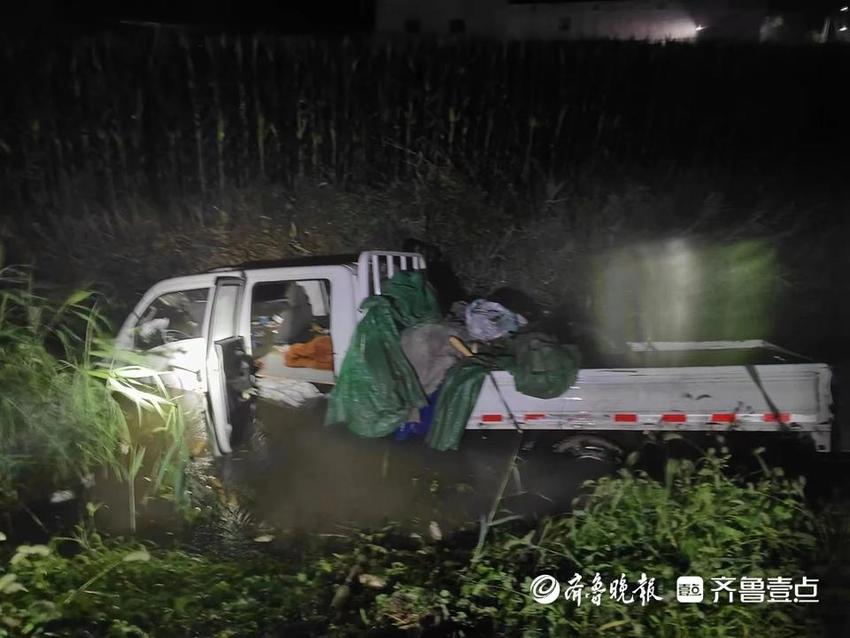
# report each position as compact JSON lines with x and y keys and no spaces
{"x":488,"y":320}
{"x":287,"y":391}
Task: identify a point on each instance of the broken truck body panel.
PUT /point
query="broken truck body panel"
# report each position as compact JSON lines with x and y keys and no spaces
{"x":188,"y":327}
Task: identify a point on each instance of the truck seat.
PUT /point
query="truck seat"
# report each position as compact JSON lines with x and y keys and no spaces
{"x":297,"y":315}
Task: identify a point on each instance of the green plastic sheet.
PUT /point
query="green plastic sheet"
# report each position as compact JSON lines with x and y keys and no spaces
{"x":541,"y":367}
{"x":412,"y":298}
{"x":457,"y":397}
{"x":377,"y":387}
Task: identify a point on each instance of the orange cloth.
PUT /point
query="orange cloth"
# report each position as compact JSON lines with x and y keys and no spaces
{"x":317,"y":353}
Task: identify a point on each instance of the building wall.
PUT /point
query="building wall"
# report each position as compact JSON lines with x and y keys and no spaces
{"x":640,"y":19}
{"x":481,"y":17}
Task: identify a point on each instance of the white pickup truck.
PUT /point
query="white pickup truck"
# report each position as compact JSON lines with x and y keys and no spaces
{"x":201,"y":331}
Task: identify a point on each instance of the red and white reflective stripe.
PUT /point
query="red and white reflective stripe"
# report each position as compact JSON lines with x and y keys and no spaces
{"x":770,"y":417}
{"x":665,"y":418}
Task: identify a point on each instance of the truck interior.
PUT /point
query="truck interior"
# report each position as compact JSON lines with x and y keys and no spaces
{"x":290,"y":330}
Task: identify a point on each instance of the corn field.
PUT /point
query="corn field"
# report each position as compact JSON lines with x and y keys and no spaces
{"x":161,"y":114}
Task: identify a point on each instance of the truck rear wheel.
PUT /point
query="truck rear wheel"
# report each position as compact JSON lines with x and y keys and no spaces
{"x":554,"y":468}
{"x":590,"y":447}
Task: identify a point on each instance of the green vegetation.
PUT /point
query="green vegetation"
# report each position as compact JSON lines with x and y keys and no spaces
{"x":61,"y":417}
{"x":125,"y":589}
{"x":697,"y":521}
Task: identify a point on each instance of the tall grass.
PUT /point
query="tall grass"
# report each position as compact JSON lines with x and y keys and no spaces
{"x":61,"y":416}
{"x":162,"y":114}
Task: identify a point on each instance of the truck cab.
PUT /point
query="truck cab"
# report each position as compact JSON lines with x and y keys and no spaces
{"x":206,"y":334}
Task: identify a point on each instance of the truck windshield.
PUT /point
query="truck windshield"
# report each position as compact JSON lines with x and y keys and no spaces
{"x":174,"y":316}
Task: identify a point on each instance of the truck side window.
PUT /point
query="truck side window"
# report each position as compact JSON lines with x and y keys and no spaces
{"x":174,"y":316}
{"x":290,"y":325}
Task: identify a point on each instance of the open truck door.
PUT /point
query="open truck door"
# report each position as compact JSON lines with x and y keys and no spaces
{"x":229,"y":370}
{"x":185,"y":329}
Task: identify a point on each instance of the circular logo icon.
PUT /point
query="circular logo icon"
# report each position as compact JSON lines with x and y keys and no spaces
{"x":545,"y":589}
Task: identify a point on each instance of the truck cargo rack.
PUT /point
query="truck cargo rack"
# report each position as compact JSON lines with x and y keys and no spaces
{"x":374,"y":266}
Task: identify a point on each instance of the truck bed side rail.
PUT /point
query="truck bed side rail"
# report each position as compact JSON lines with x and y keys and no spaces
{"x":702,"y":346}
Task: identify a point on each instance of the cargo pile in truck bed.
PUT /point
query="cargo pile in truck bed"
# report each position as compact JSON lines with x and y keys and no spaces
{"x":400,"y":358}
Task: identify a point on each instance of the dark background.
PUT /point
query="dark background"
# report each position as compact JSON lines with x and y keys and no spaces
{"x":130,"y":152}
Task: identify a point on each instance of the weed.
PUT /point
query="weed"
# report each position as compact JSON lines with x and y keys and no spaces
{"x":60,"y":417}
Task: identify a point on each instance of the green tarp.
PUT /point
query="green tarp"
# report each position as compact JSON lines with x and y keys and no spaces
{"x":457,"y":397}
{"x":377,"y":387}
{"x":541,"y":367}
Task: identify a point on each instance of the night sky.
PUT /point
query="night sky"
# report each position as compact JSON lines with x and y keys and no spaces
{"x":294,"y":17}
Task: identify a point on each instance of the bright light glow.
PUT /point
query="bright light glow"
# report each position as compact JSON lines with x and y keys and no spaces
{"x":843,"y":29}
{"x":680,"y":288}
{"x":699,"y":27}
{"x":845,"y":9}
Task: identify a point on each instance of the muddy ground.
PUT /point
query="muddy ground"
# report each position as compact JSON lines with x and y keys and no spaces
{"x":299,"y":473}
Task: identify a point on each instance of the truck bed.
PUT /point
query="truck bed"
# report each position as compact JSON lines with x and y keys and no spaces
{"x":699,"y":399}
